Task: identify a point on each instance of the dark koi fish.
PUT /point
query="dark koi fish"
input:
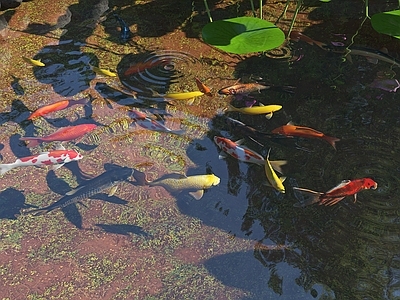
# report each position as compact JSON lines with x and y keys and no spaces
{"x":334,"y":195}
{"x":108,"y":179}
{"x":59,"y":105}
{"x":63,"y":134}
{"x":247,"y":88}
{"x":125,"y":33}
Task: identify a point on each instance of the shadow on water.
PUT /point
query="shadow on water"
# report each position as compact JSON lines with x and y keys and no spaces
{"x":11,"y":203}
{"x":124,"y":229}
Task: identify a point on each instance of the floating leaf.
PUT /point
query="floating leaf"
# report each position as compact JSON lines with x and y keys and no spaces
{"x":387,"y":23}
{"x":325,"y":1}
{"x":243,"y":35}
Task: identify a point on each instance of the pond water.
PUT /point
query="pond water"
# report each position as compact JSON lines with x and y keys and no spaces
{"x":242,"y":239}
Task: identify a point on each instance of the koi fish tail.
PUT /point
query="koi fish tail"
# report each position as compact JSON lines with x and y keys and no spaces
{"x":32,"y":141}
{"x":331,"y":140}
{"x":283,"y":88}
{"x":5,"y":168}
{"x":308,"y":197}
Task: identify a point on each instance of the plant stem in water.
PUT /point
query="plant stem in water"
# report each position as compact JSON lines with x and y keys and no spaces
{"x":261,"y":4}
{"x":208,"y":10}
{"x":253,"y":10}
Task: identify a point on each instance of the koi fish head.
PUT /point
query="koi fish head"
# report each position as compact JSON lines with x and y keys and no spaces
{"x":74,"y":155}
{"x":224,"y":143}
{"x":278,"y":130}
{"x":370,"y":184}
{"x":211,"y":180}
{"x":227,"y":91}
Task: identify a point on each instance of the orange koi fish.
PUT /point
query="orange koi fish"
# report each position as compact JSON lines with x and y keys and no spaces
{"x":298,"y":36}
{"x":141,"y":66}
{"x":203,"y":88}
{"x":306,"y":132}
{"x":63,"y":134}
{"x":334,"y":195}
{"x":242,"y":88}
{"x":59,"y":105}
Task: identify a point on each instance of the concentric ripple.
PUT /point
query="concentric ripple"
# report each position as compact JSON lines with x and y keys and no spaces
{"x":151,"y":73}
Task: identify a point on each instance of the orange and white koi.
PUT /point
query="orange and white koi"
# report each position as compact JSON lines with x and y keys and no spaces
{"x":63,"y":134}
{"x":334,"y":195}
{"x":55,"y":157}
{"x":144,"y":121}
{"x":203,"y":88}
{"x":242,"y":88}
{"x":306,"y":132}
{"x":59,"y":105}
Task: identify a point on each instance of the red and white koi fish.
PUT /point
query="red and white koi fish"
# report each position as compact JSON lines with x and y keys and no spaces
{"x":59,"y":105}
{"x":144,"y":121}
{"x":63,"y":134}
{"x":244,"y":154}
{"x":55,"y":157}
{"x":334,"y":195}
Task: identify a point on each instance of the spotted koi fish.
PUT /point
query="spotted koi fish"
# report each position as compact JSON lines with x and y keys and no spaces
{"x":244,"y":154}
{"x":56,"y":157}
{"x":144,"y":121}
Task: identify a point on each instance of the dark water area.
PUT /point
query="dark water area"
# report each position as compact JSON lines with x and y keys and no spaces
{"x":242,"y":239}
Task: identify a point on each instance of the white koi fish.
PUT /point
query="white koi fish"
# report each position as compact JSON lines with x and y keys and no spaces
{"x":243,"y":153}
{"x":144,"y":121}
{"x":55,"y":157}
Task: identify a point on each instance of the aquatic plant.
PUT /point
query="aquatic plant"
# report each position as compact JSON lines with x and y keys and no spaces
{"x":242,"y":35}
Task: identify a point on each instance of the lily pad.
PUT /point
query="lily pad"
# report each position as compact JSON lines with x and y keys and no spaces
{"x":243,"y":35}
{"x":387,"y":23}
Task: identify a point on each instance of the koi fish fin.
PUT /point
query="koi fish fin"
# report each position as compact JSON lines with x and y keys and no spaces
{"x":330,"y":201}
{"x":239,"y":142}
{"x":113,"y":190}
{"x":5,"y":168}
{"x":37,"y":212}
{"x":277,"y":165}
{"x":222,"y":155}
{"x":57,"y":166}
{"x":310,"y":197}
{"x":355,"y":197}
{"x":197,"y":194}
{"x":269,"y":115}
{"x":190,"y":101}
{"x":331,"y":140}
{"x":73,"y":191}
{"x":372,"y":60}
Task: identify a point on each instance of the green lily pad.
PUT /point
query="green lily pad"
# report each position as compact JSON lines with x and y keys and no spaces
{"x":243,"y":35}
{"x":387,"y":23}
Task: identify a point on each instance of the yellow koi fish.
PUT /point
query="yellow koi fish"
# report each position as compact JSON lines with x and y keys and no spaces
{"x":183,"y":96}
{"x":195,"y":184}
{"x":257,"y":110}
{"x":33,"y":62}
{"x":103,"y":71}
{"x":273,"y":179}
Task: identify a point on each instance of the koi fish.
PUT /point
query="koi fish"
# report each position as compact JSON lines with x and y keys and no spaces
{"x":108,"y":179}
{"x":274,"y":180}
{"x":298,"y":36}
{"x":103,"y":71}
{"x":141,"y":66}
{"x":334,"y":195}
{"x":268,"y":110}
{"x":63,"y":134}
{"x":243,"y":153}
{"x":242,"y":88}
{"x":372,"y":55}
{"x":195,"y":184}
{"x":34,"y":62}
{"x":247,"y":88}
{"x":203,"y":88}
{"x":183,"y":96}
{"x":55,"y":157}
{"x":125,"y":34}
{"x":147,"y":123}
{"x":306,"y":132}
{"x":59,"y":105}
{"x":257,"y":136}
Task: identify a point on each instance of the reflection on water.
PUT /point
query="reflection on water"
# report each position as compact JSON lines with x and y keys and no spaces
{"x":347,"y":251}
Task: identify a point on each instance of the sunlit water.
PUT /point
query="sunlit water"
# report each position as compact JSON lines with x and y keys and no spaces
{"x":347,"y":251}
